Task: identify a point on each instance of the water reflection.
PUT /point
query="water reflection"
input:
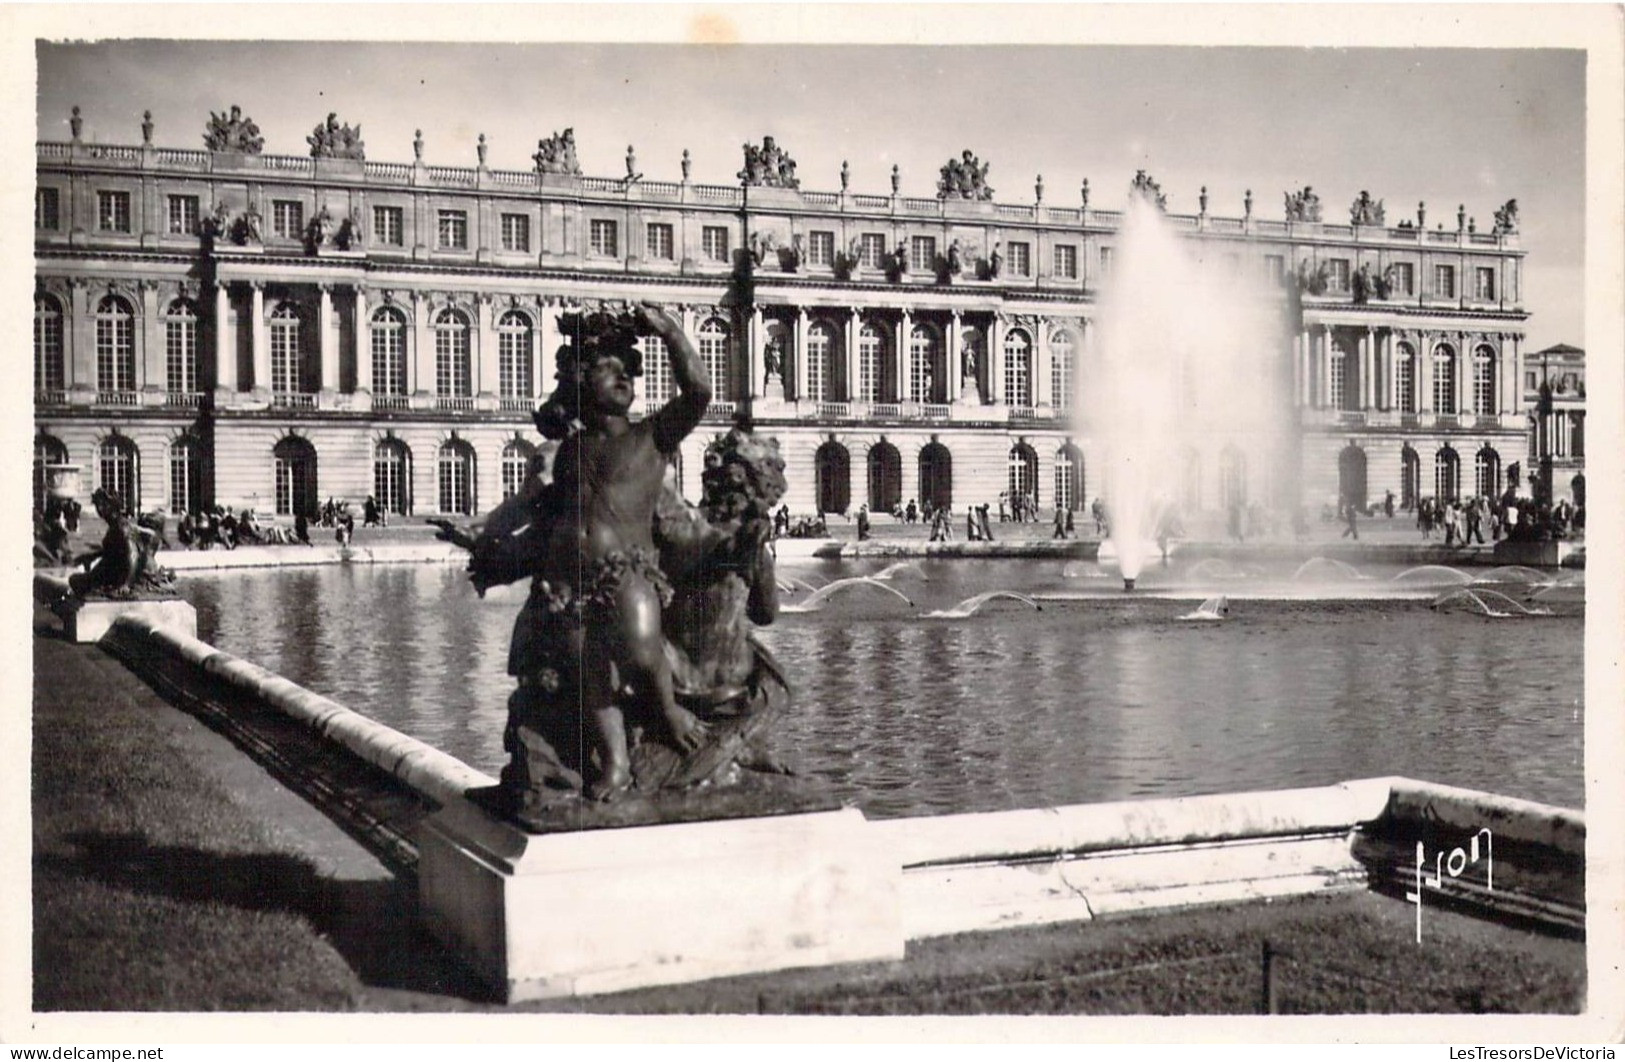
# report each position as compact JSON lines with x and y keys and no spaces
{"x":1103,"y":699}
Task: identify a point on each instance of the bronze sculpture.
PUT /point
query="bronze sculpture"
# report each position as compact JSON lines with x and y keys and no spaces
{"x":635,"y":664}
{"x":122,"y":566}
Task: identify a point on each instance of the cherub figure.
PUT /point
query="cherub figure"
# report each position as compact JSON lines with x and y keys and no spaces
{"x":589,"y":647}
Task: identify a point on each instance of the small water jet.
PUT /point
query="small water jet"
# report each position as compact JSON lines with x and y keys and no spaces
{"x":1428,"y":574}
{"x":1514,"y":573}
{"x":1214,"y":608}
{"x":970,"y":605}
{"x":891,"y":570}
{"x":1325,"y":569}
{"x":816,"y":599}
{"x":1480,"y":601}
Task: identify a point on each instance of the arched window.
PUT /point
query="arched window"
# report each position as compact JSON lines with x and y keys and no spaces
{"x":1339,"y":374}
{"x":180,"y":349}
{"x":392,"y":476}
{"x":1232,"y":478}
{"x":516,"y":458}
{"x":115,"y":345}
{"x":49,"y":362}
{"x":1444,"y":379}
{"x":451,"y":362}
{"x":287,"y":361}
{"x":657,"y":386}
{"x":936,"y":476}
{"x":1484,"y":402}
{"x":1018,"y":368}
{"x":1351,"y":478}
{"x":1023,"y":465}
{"x":716,"y":352}
{"x":1410,"y":478}
{"x":871,"y":362}
{"x":294,"y":470}
{"x":822,"y":351}
{"x":48,"y":450}
{"x":388,"y":352}
{"x":118,"y":470}
{"x":185,"y":475}
{"x":1577,"y":487}
{"x":1487,"y":473}
{"x":456,"y":477}
{"x":513,"y":356}
{"x":1447,"y":475}
{"x":1405,"y":378}
{"x":925,"y":382}
{"x":1062,"y":350}
{"x":832,"y":472}
{"x":1069,"y":482}
{"x":885,"y":477}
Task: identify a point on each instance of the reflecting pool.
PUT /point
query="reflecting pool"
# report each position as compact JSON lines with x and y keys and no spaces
{"x":1064,"y":690}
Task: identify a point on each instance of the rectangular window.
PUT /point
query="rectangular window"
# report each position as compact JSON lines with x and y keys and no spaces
{"x":1444,"y":281}
{"x":714,"y":243}
{"x":658,"y":242}
{"x":113,"y":211}
{"x":1105,"y":261}
{"x":1274,"y":267}
{"x":515,"y":232}
{"x":453,"y":230}
{"x":604,"y":238}
{"x":1404,"y":279}
{"x":183,"y":215}
{"x":288,"y":219}
{"x":1484,"y":283}
{"x":1337,"y":274}
{"x":388,"y":226}
{"x":1021,"y":259}
{"x":922,"y":254}
{"x":47,"y":212}
{"x":1530,"y":383}
{"x":873,"y":250}
{"x":1066,"y":261}
{"x":821,"y":249}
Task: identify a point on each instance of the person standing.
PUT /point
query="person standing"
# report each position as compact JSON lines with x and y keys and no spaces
{"x":863,"y":523}
{"x":1060,"y":523}
{"x":1351,"y":513}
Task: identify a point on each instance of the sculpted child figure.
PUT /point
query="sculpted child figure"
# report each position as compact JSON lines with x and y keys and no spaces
{"x":597,"y":593}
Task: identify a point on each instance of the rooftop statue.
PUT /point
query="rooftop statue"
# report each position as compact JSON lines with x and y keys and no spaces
{"x":769,"y":166}
{"x":1302,"y":206}
{"x":636,"y":667}
{"x":965,"y":178}
{"x":330,"y":140}
{"x":1366,"y":211}
{"x":557,"y":154}
{"x":1147,"y":189}
{"x":233,"y":132}
{"x":122,"y":566}
{"x":1506,"y":218}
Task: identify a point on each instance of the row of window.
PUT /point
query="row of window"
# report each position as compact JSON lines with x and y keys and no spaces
{"x":118,"y":469}
{"x":1343,"y":395}
{"x":115,"y":345}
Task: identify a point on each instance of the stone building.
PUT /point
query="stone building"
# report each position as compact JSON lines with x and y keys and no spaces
{"x":225,"y":325}
{"x":1558,"y":429}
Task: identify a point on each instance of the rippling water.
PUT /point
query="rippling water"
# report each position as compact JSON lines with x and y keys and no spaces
{"x":1099,"y":696}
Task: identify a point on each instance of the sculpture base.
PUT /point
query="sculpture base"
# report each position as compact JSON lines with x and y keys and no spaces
{"x":91,"y":619}
{"x":586,"y":911}
{"x":1548,"y":554}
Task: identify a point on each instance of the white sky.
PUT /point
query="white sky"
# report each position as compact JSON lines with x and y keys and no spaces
{"x":1448,"y":127}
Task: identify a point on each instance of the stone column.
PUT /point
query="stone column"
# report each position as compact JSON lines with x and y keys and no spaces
{"x":1326,"y":366}
{"x":420,"y":363}
{"x":905,"y":329}
{"x":225,"y":346}
{"x":995,"y":359}
{"x":538,"y":346}
{"x":150,"y":355}
{"x":1424,"y":372}
{"x":801,"y":354}
{"x":1368,"y":365}
{"x":756,"y":335}
{"x":1043,"y":384}
{"x":363,"y":342}
{"x":329,"y":345}
{"x":956,"y":358}
{"x":487,"y":376}
{"x":257,"y":338}
{"x":853,"y":324}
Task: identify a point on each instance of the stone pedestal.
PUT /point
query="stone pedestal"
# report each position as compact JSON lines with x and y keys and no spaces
{"x":580,"y":912}
{"x":90,"y":620}
{"x":1549,"y":554}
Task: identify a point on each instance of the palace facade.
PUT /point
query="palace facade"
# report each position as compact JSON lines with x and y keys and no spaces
{"x":229,"y":326}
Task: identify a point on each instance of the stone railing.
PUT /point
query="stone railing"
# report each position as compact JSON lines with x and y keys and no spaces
{"x":118,"y":398}
{"x":459,"y":404}
{"x":391,"y":402}
{"x":394,"y":172}
{"x":183,"y":399}
{"x":514,"y":178}
{"x":293,"y":400}
{"x":457,"y":176}
{"x":516,"y":405}
{"x":51,"y":397}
